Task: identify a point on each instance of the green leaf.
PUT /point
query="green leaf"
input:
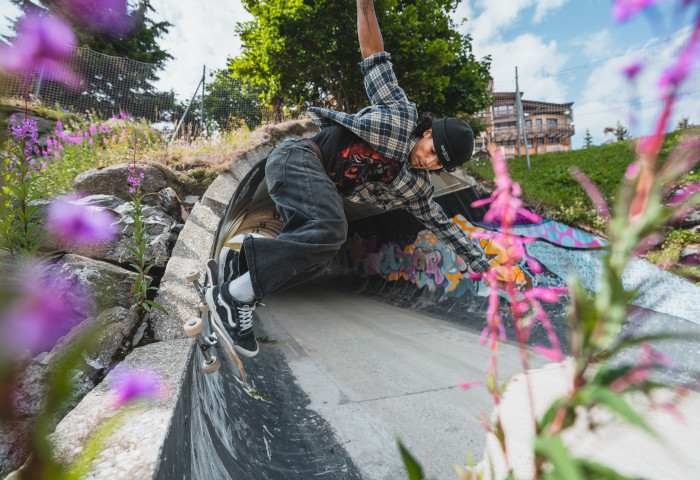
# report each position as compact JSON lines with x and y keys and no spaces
{"x":157,"y":306}
{"x":415,"y":472}
{"x":565,"y":466}
{"x":617,"y":404}
{"x":593,"y":470}
{"x":628,"y":342}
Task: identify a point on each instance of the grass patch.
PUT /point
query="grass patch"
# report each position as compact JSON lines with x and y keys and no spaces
{"x":549,"y":188}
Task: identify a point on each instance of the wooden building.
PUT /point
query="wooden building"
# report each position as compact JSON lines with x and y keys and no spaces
{"x":547,"y":126}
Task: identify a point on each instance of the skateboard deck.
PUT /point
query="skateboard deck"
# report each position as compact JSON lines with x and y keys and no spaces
{"x":212,"y":337}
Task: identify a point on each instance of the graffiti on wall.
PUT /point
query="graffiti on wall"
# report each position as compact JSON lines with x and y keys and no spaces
{"x":558,"y":234}
{"x":426,"y":261}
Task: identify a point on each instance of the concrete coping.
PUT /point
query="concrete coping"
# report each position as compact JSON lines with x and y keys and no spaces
{"x":135,"y":446}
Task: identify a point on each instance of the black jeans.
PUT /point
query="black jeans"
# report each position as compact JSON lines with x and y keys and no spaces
{"x":315,"y":226}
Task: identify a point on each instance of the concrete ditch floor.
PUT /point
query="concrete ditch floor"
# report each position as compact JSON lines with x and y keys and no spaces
{"x":376,"y":372}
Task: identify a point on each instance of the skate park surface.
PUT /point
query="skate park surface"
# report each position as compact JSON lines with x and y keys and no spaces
{"x":349,"y":364}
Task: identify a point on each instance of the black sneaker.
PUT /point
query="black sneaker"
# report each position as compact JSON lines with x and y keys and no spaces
{"x":212,"y":277}
{"x":228,"y":264}
{"x":236,"y":318}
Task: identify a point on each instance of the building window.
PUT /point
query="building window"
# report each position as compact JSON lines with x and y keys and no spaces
{"x":538,"y":121}
{"x":551,"y":122}
{"x":505,"y":126}
{"x":528,"y":123}
{"x":552,"y":140}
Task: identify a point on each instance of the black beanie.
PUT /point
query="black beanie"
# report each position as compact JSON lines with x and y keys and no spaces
{"x":454,"y":142}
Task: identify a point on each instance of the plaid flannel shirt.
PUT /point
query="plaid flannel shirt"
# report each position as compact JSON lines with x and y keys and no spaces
{"x":386,"y":126}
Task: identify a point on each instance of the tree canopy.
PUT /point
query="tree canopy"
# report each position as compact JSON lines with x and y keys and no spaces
{"x":307,"y":53}
{"x":116,"y":29}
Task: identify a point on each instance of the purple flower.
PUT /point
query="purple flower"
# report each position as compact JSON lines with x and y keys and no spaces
{"x":679,"y":71}
{"x":631,"y":71}
{"x":106,"y":16}
{"x":75,"y":222}
{"x":623,"y":10}
{"x":39,"y":313}
{"x":43,"y":44}
{"x":592,"y":190}
{"x":129,"y":385}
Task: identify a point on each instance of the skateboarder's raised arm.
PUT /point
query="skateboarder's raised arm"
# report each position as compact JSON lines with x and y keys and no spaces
{"x":371,"y":41}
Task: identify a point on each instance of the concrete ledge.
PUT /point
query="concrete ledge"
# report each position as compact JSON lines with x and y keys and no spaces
{"x":190,"y":253}
{"x":133,"y":449}
{"x":219,"y":193}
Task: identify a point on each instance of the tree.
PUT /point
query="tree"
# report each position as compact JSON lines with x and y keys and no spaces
{"x":621,"y":133}
{"x":118,"y":31}
{"x":230,"y":103}
{"x":683,"y":124}
{"x":307,"y":53}
{"x":588,"y":139}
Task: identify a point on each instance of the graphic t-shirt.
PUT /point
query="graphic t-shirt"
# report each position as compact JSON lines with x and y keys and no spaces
{"x":350,"y":161}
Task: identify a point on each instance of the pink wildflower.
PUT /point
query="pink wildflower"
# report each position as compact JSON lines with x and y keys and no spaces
{"x":129,"y":385}
{"x":631,"y":71}
{"x":76,"y":222}
{"x":43,"y":44}
{"x":593,"y":193}
{"x":39,"y":313}
{"x":467,"y":385}
{"x":553,"y":354}
{"x":623,"y":10}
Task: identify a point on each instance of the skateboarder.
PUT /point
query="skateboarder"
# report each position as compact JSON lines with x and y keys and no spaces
{"x":381,"y":155}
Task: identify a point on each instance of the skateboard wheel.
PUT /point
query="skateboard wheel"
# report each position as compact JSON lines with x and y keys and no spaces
{"x":193,"y":327}
{"x":192,"y":276}
{"x":211,"y":367}
{"x":203,"y":307}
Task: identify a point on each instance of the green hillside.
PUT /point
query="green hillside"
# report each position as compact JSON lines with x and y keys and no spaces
{"x":549,"y":188}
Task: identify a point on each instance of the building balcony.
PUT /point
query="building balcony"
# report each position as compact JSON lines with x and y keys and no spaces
{"x":538,"y":131}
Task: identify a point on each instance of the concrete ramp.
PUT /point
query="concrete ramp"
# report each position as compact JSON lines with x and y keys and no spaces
{"x":375,"y":350}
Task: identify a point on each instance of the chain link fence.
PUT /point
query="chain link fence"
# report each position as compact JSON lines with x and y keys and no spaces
{"x":113,"y":86}
{"x":584,"y":105}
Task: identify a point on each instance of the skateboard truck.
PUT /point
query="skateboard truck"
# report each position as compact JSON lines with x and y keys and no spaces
{"x":194,"y":327}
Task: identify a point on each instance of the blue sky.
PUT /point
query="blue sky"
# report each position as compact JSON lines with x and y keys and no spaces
{"x":565,"y":50}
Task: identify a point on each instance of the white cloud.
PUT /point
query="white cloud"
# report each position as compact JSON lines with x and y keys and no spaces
{"x":535,"y":60}
{"x":595,"y":45}
{"x":545,"y":6}
{"x":203,"y":33}
{"x":10,"y":11}
{"x":498,"y":15}
{"x":609,"y":97}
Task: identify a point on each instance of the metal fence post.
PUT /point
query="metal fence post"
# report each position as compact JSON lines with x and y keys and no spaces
{"x":204,"y":72}
{"x":521,"y":116}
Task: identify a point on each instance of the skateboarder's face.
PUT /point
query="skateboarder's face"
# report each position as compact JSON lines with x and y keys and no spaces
{"x":423,"y":154}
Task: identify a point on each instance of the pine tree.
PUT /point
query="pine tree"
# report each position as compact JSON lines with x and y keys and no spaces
{"x":588,"y":139}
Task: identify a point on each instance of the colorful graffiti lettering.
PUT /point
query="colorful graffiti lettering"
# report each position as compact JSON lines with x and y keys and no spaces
{"x":428,"y":262}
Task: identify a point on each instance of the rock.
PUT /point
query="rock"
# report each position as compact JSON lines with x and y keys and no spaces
{"x":112,"y":181}
{"x":167,"y":201}
{"x":28,"y":398}
{"x":109,"y":283}
{"x":160,"y":226}
{"x":690,"y":255}
{"x":692,"y":220}
{"x":114,"y":327}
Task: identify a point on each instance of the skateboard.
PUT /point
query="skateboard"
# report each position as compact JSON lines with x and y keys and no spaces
{"x":209,"y":334}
